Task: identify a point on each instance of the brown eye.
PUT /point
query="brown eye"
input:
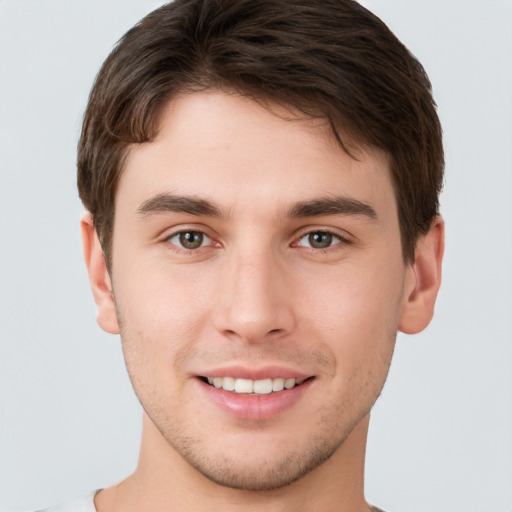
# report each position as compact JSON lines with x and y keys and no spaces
{"x":319,"y":240}
{"x":189,"y":239}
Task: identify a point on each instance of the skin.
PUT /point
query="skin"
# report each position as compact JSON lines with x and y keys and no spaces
{"x":255,"y":294}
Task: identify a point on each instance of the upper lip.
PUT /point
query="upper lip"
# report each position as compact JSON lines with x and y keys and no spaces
{"x":252,"y":373}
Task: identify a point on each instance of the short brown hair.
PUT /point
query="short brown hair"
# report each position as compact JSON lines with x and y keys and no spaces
{"x":331,"y":59}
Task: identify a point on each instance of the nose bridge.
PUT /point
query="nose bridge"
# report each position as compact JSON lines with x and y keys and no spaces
{"x":254,"y":302}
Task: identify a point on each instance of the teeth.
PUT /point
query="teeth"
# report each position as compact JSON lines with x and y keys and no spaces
{"x":277,"y":384}
{"x":258,"y":387}
{"x":289,"y":383}
{"x":262,"y":387}
{"x":228,"y":383}
{"x":243,"y":386}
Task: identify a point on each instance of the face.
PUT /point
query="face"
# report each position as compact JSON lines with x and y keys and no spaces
{"x":258,"y":281}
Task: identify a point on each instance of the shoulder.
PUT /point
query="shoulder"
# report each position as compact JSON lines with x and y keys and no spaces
{"x":377,"y":509}
{"x":83,"y":504}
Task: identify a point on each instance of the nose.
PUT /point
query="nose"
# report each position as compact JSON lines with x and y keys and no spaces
{"x":255,"y":302}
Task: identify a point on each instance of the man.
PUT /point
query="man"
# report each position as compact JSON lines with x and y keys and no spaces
{"x":261,"y":181}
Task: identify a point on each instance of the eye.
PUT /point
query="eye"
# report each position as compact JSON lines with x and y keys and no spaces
{"x":190,"y":240}
{"x":319,"y":240}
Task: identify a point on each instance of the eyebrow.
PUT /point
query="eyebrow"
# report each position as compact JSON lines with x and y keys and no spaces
{"x":163,"y":203}
{"x":339,"y":205}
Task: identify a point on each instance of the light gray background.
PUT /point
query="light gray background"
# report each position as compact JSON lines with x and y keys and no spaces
{"x":441,"y":434}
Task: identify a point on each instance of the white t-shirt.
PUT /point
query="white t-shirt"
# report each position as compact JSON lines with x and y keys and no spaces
{"x":84,"y":504}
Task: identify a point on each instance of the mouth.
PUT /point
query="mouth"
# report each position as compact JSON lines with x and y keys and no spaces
{"x":254,"y":387}
{"x":257,"y":394}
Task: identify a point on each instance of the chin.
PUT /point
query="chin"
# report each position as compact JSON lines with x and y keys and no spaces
{"x":252,"y":466}
{"x":261,"y":476}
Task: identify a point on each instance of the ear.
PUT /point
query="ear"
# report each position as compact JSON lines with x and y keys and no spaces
{"x":423,"y":280}
{"x":98,"y":276}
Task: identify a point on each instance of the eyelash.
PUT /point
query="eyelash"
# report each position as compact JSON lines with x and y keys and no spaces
{"x":340,"y":240}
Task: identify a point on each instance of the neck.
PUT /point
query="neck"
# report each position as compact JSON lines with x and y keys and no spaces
{"x":164,"y":481}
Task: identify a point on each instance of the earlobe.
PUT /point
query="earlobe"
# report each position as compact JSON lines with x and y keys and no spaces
{"x":423,"y":280}
{"x":99,"y":277}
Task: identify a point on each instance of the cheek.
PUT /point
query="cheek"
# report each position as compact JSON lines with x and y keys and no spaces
{"x":357,"y":312}
{"x":161,"y":313}
{"x":154,"y":298}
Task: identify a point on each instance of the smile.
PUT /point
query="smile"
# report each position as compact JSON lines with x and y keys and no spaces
{"x":269,"y":393}
{"x":255,"y":387}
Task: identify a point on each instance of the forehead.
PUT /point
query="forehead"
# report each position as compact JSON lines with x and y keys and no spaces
{"x":228,"y":147}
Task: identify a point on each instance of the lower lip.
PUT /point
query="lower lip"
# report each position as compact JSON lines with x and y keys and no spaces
{"x":255,"y":407}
